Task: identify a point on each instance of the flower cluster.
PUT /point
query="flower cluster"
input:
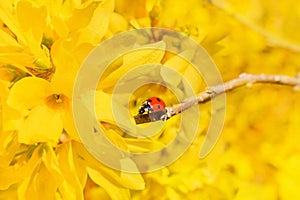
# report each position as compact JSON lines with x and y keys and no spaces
{"x":42,"y":46}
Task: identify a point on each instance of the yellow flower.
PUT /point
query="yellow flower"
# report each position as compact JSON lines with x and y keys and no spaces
{"x":48,"y":110}
{"x":42,"y":45}
{"x":44,"y":42}
{"x":25,"y":49}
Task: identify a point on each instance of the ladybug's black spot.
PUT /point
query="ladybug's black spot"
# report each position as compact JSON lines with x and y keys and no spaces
{"x":158,"y":106}
{"x":158,"y":99}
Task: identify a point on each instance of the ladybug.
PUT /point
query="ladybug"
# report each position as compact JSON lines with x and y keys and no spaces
{"x":152,"y":104}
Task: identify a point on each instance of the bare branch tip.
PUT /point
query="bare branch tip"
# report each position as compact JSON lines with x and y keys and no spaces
{"x":242,"y":75}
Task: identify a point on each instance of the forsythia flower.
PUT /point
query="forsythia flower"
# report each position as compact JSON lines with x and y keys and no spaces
{"x":258,"y":150}
{"x":42,"y":46}
{"x":44,"y":42}
{"x":48,"y":110}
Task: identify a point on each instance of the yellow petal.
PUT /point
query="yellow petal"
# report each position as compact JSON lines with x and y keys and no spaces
{"x":33,"y":31}
{"x":19,"y":59}
{"x":8,"y":148}
{"x":8,"y":40}
{"x":67,"y":57}
{"x":133,"y":181}
{"x":103,"y":107}
{"x":143,"y":145}
{"x":50,"y":161}
{"x":6,"y":15}
{"x":8,"y":116}
{"x":35,"y":187}
{"x":10,"y":193}
{"x":108,"y":5}
{"x":115,"y":192}
{"x":13,"y":174}
{"x":178,"y":64}
{"x":116,"y":139}
{"x":60,"y":26}
{"x":42,"y":125}
{"x":112,"y":177}
{"x":28,"y":35}
{"x":69,"y":124}
{"x":81,"y":17}
{"x":97,"y":27}
{"x":152,"y":53}
{"x":193,"y":77}
{"x":29,"y":92}
{"x":117,"y":23}
{"x":8,"y":179}
{"x":148,"y":54}
{"x":1,"y":108}
{"x":71,"y":187}
{"x":80,"y":167}
{"x":248,"y":191}
{"x":95,"y":192}
{"x":105,"y":112}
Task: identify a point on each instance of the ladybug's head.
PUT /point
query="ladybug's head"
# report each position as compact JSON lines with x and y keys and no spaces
{"x":145,"y":107}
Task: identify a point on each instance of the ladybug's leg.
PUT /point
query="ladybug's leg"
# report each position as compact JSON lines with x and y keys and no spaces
{"x":164,"y":117}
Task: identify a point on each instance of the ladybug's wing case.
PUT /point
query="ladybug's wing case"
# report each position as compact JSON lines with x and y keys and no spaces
{"x":153,"y":104}
{"x":155,"y":108}
{"x":156,"y":104}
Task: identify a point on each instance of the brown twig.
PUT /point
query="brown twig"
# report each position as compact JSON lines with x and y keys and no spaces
{"x":211,"y":92}
{"x":243,"y":79}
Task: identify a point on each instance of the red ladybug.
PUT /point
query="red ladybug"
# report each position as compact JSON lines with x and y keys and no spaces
{"x":153,"y":104}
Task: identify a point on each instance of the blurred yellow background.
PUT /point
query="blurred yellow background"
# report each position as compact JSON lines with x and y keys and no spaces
{"x":258,"y":154}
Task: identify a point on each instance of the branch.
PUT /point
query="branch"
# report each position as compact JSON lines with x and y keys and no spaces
{"x":211,"y":92}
